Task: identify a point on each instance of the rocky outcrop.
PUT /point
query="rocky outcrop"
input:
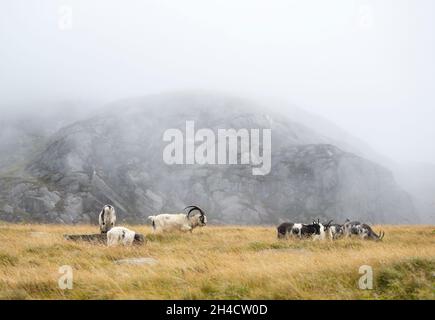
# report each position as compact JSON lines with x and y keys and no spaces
{"x":116,"y":158}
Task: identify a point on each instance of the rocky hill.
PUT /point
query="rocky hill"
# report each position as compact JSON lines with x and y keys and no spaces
{"x":116,"y":157}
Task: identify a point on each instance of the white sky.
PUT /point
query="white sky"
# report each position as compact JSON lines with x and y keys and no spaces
{"x":366,"y":65}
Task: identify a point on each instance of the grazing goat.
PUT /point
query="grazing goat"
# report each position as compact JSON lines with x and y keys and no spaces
{"x":179,"y":221}
{"x":351,"y":228}
{"x":107,"y":218}
{"x":366,"y":232}
{"x":124,"y":236}
{"x":335,"y":231}
{"x":316,"y":230}
{"x":284,"y":230}
{"x":321,"y":233}
{"x":362,"y":230}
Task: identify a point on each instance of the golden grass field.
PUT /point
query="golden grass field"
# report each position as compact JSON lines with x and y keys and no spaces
{"x":216,"y":263}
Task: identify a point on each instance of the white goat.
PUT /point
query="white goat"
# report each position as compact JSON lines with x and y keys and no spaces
{"x":107,"y":218}
{"x":120,"y":235}
{"x":179,"y":221}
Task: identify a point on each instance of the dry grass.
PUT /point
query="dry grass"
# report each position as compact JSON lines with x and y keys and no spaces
{"x":216,"y":263}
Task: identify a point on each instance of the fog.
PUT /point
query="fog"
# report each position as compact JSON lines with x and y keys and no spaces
{"x":365,"y":65}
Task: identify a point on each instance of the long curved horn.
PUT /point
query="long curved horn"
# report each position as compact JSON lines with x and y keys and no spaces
{"x":193,"y":208}
{"x":329,"y":223}
{"x":378,"y":237}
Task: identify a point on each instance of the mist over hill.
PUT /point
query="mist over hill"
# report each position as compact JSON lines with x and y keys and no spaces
{"x":115,"y":157}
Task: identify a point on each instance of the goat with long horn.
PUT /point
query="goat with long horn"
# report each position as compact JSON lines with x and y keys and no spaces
{"x":179,"y":221}
{"x":362,"y":230}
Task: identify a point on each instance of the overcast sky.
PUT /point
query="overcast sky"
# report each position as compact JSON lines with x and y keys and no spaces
{"x":366,"y":65}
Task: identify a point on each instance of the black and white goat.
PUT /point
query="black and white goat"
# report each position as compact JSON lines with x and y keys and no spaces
{"x":362,"y":230}
{"x":179,"y":221}
{"x":320,"y":229}
{"x":351,"y":228}
{"x":284,"y":230}
{"x":316,"y":230}
{"x":107,"y":218}
{"x":335,"y":231}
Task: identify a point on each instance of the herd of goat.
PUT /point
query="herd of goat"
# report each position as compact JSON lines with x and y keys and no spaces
{"x":195,"y":217}
{"x":319,"y":231}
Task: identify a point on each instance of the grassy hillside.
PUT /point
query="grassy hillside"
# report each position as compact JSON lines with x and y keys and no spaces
{"x":216,"y":263}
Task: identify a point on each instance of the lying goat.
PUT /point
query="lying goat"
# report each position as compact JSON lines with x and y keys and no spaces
{"x":179,"y":221}
{"x":362,"y":230}
{"x":107,"y":218}
{"x":123,"y":236}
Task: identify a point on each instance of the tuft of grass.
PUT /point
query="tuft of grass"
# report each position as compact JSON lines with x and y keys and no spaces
{"x":408,"y":279}
{"x":164,"y":238}
{"x":8,"y":260}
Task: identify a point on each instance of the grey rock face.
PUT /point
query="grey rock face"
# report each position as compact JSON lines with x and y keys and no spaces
{"x":116,"y":158}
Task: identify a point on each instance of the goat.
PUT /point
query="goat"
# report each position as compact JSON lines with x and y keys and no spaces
{"x":366,"y":232}
{"x":296,"y":230}
{"x":179,"y":221}
{"x":351,"y":228}
{"x":107,"y":218}
{"x":316,"y":230}
{"x":124,"y":236}
{"x":284,"y":230}
{"x":321,"y":234}
{"x":335,"y":231}
{"x":362,"y":230}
